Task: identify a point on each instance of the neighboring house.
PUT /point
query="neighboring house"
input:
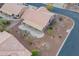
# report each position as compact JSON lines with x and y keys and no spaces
{"x":37,"y":19}
{"x":12,"y":9}
{"x":10,"y":46}
{"x":59,"y":5}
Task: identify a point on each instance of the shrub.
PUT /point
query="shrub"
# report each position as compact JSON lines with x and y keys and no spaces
{"x":49,"y":31}
{"x":50,"y":28}
{"x":49,"y":6}
{"x":60,"y":36}
{"x":60,"y":19}
{"x":35,"y":53}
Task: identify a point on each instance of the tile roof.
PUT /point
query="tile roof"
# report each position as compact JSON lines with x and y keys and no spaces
{"x":37,"y":18}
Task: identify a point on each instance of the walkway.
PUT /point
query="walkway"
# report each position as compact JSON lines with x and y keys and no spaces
{"x":71,"y":46}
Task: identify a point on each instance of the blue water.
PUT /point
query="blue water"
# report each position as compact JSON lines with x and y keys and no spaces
{"x":71,"y":46}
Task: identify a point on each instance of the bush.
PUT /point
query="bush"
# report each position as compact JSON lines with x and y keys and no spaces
{"x":49,"y":31}
{"x":5,"y":22}
{"x":60,"y":36}
{"x":50,"y":28}
{"x":35,"y":53}
{"x":60,"y":19}
{"x":49,"y":6}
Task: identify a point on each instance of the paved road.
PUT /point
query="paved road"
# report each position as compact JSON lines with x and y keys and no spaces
{"x":71,"y":46}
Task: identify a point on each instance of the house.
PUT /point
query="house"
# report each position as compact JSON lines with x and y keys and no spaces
{"x":35,"y":21}
{"x":12,"y":9}
{"x":10,"y":46}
